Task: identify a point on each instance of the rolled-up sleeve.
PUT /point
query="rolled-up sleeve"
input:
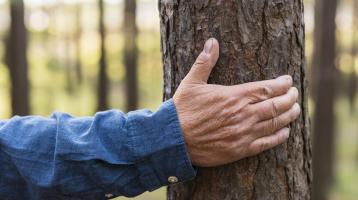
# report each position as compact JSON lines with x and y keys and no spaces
{"x":110,"y":154}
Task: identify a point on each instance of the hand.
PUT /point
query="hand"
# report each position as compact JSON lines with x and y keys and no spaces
{"x":223,"y":124}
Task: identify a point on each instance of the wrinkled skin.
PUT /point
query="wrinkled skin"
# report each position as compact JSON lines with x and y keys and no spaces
{"x":223,"y":124}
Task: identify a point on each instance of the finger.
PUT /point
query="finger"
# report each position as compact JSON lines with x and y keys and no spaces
{"x":263,"y":90}
{"x":205,"y":62}
{"x":262,"y":144}
{"x":268,"y":127}
{"x":276,"y":106}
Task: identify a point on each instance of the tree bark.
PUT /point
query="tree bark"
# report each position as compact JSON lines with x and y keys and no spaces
{"x":325,"y":78}
{"x":131,"y":53}
{"x":16,"y":59}
{"x":259,"y":40}
{"x":103,"y":79}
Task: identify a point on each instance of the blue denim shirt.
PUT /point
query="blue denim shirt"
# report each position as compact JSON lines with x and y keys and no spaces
{"x":108,"y":155}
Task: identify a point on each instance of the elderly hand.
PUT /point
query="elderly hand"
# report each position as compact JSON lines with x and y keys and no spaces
{"x":223,"y":124}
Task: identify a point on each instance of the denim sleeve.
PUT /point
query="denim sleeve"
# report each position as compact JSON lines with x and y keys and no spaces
{"x":110,"y":154}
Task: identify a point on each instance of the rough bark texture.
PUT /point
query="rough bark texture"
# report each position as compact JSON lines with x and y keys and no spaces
{"x":131,"y":53}
{"x":325,"y":78}
{"x":103,"y":79}
{"x":16,"y":60}
{"x":259,"y":39}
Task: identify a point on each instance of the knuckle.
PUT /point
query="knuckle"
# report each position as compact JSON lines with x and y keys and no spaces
{"x":246,"y":111}
{"x":258,"y":92}
{"x":234,"y":112}
{"x":264,"y":91}
{"x":275,"y":122}
{"x":263,"y":146}
{"x":256,"y":116}
{"x":230,"y":100}
{"x":267,"y":129}
{"x":228,"y":105}
{"x":202,"y":60}
{"x":274,"y":109}
{"x":225,"y":113}
{"x":198,"y":66}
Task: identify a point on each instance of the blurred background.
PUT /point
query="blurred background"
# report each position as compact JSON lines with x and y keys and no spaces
{"x":81,"y":56}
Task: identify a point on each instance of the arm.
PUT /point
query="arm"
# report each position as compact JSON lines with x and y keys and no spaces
{"x":110,"y":153}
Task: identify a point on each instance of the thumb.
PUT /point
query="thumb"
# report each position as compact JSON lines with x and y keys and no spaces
{"x":205,"y":62}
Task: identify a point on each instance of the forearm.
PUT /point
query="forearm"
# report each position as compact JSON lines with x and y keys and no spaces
{"x":110,"y":153}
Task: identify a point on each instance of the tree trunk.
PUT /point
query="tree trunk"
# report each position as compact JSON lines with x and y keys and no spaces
{"x":103,"y":80}
{"x":259,"y":40}
{"x":130,"y":53}
{"x":78,"y":49}
{"x":323,"y":141}
{"x":314,"y":70}
{"x":353,"y":79}
{"x":16,"y":59}
{"x":68,"y":65}
{"x":352,"y":91}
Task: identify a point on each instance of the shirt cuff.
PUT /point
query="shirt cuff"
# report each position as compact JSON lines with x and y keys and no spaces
{"x":158,"y":145}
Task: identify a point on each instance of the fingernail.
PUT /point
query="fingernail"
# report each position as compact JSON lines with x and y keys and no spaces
{"x":208,"y":45}
{"x":294,"y":91}
{"x":286,"y":78}
{"x":297,"y":108}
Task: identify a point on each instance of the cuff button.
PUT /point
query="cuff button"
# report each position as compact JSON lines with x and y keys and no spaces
{"x":172,"y":179}
{"x":109,"y":195}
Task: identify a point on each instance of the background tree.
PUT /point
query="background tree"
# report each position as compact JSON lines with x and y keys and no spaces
{"x":259,"y":40}
{"x":353,"y":82}
{"x":68,"y":64}
{"x":77,"y":36}
{"x":353,"y":79}
{"x":326,"y":73}
{"x":102,"y":94}
{"x":130,"y":53}
{"x":16,"y":59}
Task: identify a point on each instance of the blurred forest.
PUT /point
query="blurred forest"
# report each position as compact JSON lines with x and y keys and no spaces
{"x":82,"y":56}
